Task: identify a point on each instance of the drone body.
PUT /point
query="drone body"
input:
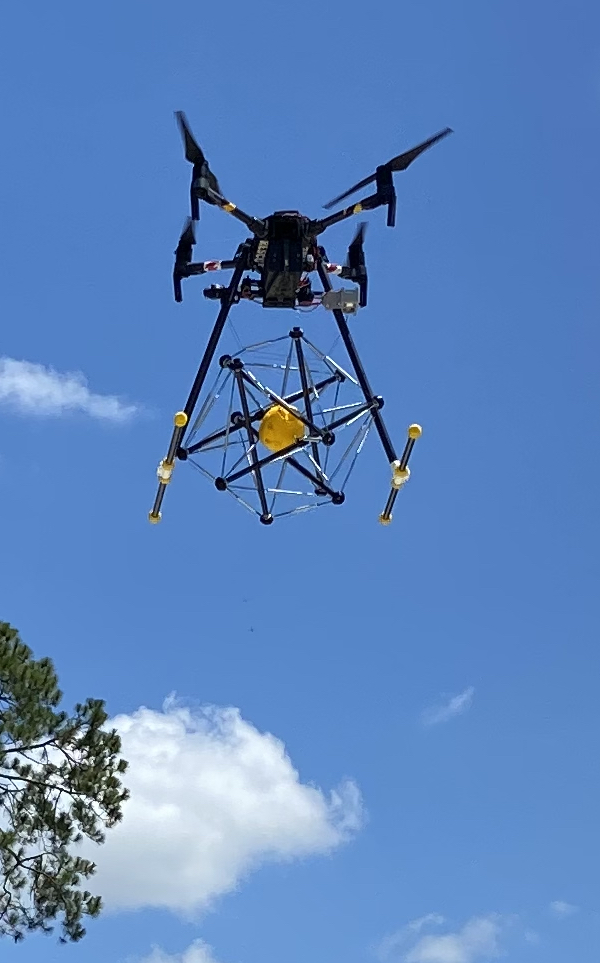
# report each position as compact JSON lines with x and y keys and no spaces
{"x":283,"y":254}
{"x":283,"y":250}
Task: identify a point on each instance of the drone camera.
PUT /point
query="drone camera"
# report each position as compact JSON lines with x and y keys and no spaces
{"x":215,"y":292}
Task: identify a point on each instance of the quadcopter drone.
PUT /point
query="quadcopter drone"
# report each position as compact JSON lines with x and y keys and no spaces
{"x":270,"y":428}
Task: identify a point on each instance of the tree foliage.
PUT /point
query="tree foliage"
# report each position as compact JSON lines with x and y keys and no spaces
{"x":59,"y":783}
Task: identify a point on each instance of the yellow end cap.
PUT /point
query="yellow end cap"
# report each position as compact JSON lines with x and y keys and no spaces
{"x":415,"y":431}
{"x":164,"y":471}
{"x":180,"y":420}
{"x":399,"y":477}
{"x":385,"y":519}
{"x":154,"y":519}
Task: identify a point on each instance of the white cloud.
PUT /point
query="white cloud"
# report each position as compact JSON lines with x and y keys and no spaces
{"x":431,"y":919}
{"x":390,"y":945}
{"x":211,"y":799}
{"x":35,"y":389}
{"x":448,"y":710}
{"x":197,"y":952}
{"x":476,"y":942}
{"x":561,"y":909}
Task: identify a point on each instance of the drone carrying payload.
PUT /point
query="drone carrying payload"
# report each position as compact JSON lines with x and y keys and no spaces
{"x":284,"y":400}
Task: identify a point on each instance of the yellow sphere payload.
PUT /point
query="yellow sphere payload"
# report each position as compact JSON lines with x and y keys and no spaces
{"x":280,"y":428}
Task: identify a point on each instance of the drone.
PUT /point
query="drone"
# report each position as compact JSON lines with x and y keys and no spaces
{"x":286,"y":399}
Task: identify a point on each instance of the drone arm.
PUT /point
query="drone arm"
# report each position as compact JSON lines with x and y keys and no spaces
{"x":254,"y":224}
{"x":368,"y":204}
{"x":203,"y":267}
{"x":191,"y":269}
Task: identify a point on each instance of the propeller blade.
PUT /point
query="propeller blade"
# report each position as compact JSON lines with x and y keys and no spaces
{"x":399,"y":163}
{"x":193,"y":153}
{"x":363,"y":284}
{"x":183,"y":252}
{"x":352,"y":190}
{"x":183,"y":256}
{"x":356,"y":254}
{"x":356,"y":262}
{"x":402,"y":161}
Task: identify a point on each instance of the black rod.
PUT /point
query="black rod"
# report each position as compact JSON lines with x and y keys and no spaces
{"x":297,"y":336}
{"x":256,"y":472}
{"x":274,"y":456}
{"x":363,"y":381}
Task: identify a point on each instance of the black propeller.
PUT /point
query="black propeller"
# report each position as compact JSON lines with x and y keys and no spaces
{"x":202,"y":176}
{"x":384,"y":171}
{"x":183,"y":256}
{"x":356,"y":268}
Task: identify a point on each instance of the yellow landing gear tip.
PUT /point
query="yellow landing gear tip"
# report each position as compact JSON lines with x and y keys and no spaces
{"x":165,"y":469}
{"x":400,"y":473}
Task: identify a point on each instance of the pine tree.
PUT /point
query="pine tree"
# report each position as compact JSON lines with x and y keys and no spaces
{"x":59,"y":783}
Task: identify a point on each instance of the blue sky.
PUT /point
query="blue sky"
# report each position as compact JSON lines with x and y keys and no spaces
{"x":429,"y":791}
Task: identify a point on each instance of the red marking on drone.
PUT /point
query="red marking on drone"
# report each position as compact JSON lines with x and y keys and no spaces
{"x":212,"y":265}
